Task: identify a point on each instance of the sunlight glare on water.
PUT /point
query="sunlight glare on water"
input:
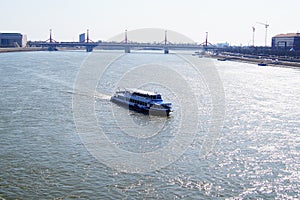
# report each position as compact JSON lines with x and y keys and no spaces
{"x":42,"y":156}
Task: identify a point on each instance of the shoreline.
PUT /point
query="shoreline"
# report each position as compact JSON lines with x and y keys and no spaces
{"x":22,"y":49}
{"x":27,"y":49}
{"x":220,"y":57}
{"x":268,"y":62}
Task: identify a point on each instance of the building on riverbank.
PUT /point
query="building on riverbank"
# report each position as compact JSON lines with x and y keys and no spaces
{"x":12,"y":40}
{"x":289,"y":41}
{"x":82,"y":37}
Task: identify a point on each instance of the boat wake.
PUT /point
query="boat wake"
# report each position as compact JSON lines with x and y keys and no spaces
{"x":102,"y":96}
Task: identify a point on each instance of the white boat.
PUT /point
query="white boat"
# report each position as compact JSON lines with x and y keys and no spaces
{"x":142,"y":101}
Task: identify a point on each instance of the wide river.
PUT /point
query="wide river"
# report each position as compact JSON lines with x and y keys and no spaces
{"x":233,"y":133}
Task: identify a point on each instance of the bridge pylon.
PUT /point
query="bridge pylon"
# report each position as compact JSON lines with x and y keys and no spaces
{"x":165,"y":42}
{"x":87,"y":36}
{"x":89,"y":47}
{"x":127,"y":47}
{"x":52,"y":46}
{"x":206,"y":44}
{"x":166,"y":49}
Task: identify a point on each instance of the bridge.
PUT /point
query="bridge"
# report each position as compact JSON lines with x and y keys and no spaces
{"x":89,"y":45}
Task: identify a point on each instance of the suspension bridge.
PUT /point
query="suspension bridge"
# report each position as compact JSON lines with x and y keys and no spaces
{"x":127,"y":45}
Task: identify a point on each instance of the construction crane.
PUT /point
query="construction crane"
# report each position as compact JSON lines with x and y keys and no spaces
{"x":266,"y":26}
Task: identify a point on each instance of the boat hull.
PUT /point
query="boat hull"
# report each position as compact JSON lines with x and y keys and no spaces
{"x":262,"y":64}
{"x":141,"y":109}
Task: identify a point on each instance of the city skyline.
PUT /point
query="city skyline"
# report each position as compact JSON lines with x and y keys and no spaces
{"x":229,"y":21}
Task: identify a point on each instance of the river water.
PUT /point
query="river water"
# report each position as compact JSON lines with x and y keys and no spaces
{"x":234,"y":132}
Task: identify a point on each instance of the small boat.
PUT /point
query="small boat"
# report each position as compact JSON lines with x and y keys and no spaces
{"x":262,"y":64}
{"x":142,"y":101}
{"x":222,"y":59}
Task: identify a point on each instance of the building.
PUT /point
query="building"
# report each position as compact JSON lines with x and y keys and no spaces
{"x":82,"y":37}
{"x":12,"y":40}
{"x":289,"y":41}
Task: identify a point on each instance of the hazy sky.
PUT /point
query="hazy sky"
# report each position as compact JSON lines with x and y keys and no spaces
{"x":225,"y":20}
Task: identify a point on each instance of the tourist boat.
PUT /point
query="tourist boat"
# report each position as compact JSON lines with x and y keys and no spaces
{"x":142,"y":101}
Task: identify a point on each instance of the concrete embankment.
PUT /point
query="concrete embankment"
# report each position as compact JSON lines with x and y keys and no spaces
{"x":22,"y":49}
{"x":271,"y":62}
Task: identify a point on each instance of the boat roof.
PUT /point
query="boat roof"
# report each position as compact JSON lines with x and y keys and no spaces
{"x":134,"y":90}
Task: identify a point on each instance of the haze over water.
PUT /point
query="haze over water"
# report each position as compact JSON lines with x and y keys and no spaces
{"x":43,"y":155}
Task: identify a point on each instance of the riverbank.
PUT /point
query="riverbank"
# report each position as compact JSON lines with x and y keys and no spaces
{"x":267,"y":61}
{"x":22,"y":49}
